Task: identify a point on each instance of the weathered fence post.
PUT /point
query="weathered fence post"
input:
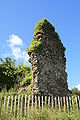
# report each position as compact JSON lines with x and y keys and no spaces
{"x":22,"y":107}
{"x":5,"y":103}
{"x":8,"y":102}
{"x":35,"y":101}
{"x":76,"y":103}
{"x":72,"y":102}
{"x":59,"y":102}
{"x":52,"y":100}
{"x":11,"y":103}
{"x":42,"y":102}
{"x":48,"y":101}
{"x":32,"y":102}
{"x":28,"y":104}
{"x":15,"y":105}
{"x":64,"y":102}
{"x":55,"y":102}
{"x":39,"y":101}
{"x":18,"y":105}
{"x":25,"y":104}
{"x":45,"y":100}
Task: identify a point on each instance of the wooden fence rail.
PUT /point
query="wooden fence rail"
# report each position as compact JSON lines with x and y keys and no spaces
{"x":22,"y":103}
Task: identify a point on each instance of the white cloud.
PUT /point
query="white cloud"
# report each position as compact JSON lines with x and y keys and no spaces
{"x":78,"y":86}
{"x":15,"y":43}
{"x":14,"y":40}
{"x":16,"y":52}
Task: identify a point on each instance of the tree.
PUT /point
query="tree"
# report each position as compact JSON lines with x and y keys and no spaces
{"x":24,"y":75}
{"x":7,"y":73}
{"x":75,"y":91}
{"x":10,"y":75}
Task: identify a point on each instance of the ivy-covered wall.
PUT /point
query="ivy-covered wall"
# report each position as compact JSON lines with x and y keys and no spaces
{"x":47,"y":56}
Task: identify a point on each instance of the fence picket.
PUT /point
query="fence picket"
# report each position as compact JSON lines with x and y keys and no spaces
{"x":59,"y":102}
{"x":72,"y":102}
{"x":15,"y":105}
{"x":67,"y":103}
{"x":52,"y":100}
{"x":32,"y":101}
{"x":8,"y":102}
{"x":64,"y":103}
{"x":25,"y":104}
{"x":39,"y":101}
{"x":5,"y":102}
{"x":55,"y":103}
{"x":18,"y":105}
{"x":76,"y":103}
{"x":42,"y":102}
{"x":11,"y":103}
{"x":28,"y":104}
{"x":48,"y":101}
{"x":35,"y":101}
{"x":22,"y":106}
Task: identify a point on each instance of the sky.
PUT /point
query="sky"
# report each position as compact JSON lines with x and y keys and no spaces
{"x":18,"y":19}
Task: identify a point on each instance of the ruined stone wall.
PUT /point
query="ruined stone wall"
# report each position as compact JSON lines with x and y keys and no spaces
{"x":48,"y":62}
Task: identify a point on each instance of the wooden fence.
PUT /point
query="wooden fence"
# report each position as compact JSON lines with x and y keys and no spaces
{"x":22,"y":103}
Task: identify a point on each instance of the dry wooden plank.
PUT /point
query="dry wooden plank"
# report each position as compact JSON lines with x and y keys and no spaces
{"x":42,"y":102}
{"x":67,"y":103}
{"x":22,"y":104}
{"x":64,"y":103}
{"x":15,"y":105}
{"x":45,"y":100}
{"x":55,"y":102}
{"x":39,"y":101}
{"x":72,"y":102}
{"x":28,"y":104}
{"x":32,"y":101}
{"x":35,"y":101}
{"x":11,"y":103}
{"x":18,"y":107}
{"x":76,"y":103}
{"x":59,"y":102}
{"x":48,"y":101}
{"x":8,"y":102}
{"x":4,"y":102}
{"x":52,"y":101}
{"x":25,"y":104}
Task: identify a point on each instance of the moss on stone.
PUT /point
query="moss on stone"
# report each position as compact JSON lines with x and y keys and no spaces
{"x":43,"y":24}
{"x":34,"y":45}
{"x":39,"y":30}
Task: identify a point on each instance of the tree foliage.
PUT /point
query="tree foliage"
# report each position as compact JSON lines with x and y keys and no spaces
{"x":11,"y":75}
{"x":75,"y":92}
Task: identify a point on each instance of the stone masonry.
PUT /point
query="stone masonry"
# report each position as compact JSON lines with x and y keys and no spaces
{"x":48,"y":62}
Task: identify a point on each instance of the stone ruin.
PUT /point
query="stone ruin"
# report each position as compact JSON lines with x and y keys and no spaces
{"x":47,"y":56}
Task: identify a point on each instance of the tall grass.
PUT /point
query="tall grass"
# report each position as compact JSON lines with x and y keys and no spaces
{"x":42,"y":114}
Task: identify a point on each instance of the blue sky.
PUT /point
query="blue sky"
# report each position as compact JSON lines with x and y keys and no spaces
{"x":18,"y":19}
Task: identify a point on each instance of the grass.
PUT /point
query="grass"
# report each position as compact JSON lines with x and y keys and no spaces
{"x":42,"y":114}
